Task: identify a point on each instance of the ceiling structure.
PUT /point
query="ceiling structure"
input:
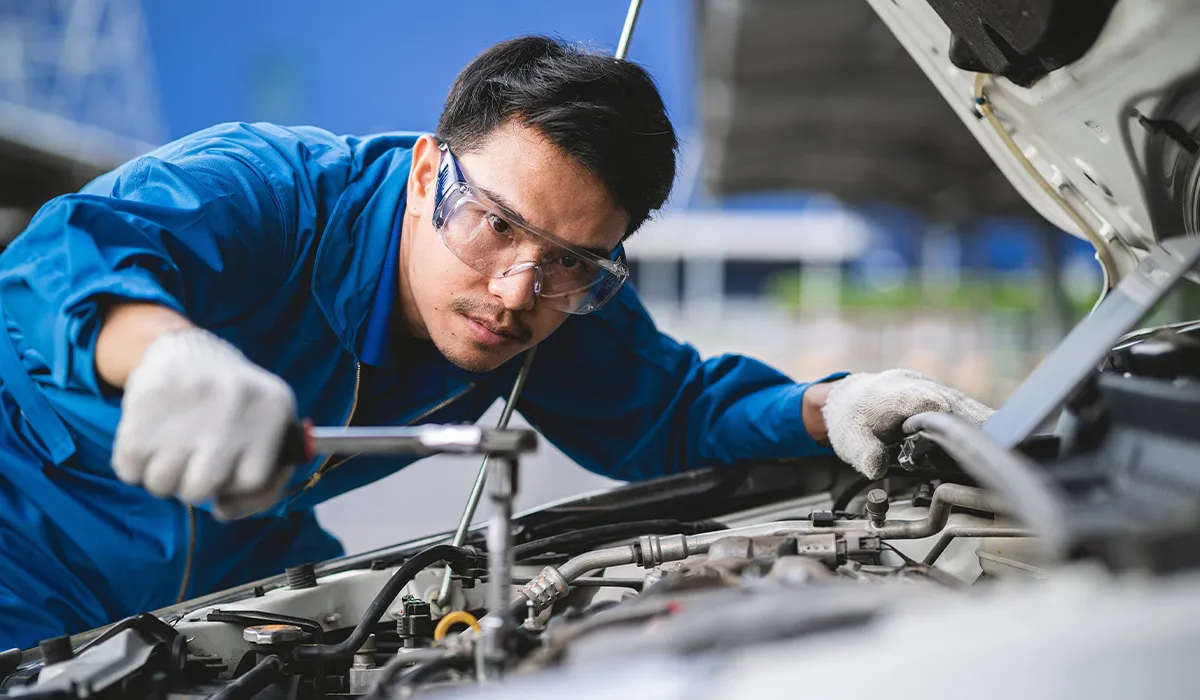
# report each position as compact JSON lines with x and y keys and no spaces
{"x":77,"y":98}
{"x":817,"y":95}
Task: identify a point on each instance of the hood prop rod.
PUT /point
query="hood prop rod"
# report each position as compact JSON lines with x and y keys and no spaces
{"x":464,"y":523}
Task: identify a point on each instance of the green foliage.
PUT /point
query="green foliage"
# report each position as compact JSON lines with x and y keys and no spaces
{"x":980,"y":292}
{"x":984,"y":292}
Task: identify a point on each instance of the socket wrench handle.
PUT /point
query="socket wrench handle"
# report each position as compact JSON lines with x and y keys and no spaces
{"x":302,"y":441}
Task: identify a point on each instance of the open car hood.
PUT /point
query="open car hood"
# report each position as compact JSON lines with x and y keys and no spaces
{"x":1101,"y":100}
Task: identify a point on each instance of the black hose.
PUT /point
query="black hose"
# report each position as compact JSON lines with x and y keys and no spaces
{"x":405,"y":574}
{"x":395,"y":673}
{"x":252,"y":682}
{"x":600,"y":581}
{"x":258,"y":617}
{"x":423,"y":671}
{"x":587,"y":536}
{"x":852,"y":489}
{"x":1030,"y":496}
{"x":842,"y":501}
{"x":10,"y":660}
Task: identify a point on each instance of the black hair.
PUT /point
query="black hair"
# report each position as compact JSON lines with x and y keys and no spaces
{"x":604,"y":112}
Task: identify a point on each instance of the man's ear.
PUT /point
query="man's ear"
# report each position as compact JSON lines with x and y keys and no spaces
{"x":423,"y":175}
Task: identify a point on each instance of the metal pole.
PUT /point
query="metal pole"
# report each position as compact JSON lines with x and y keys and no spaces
{"x":631,"y":17}
{"x":464,"y":523}
{"x":496,"y":625}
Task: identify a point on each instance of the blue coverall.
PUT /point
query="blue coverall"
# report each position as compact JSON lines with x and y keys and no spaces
{"x":277,"y":240}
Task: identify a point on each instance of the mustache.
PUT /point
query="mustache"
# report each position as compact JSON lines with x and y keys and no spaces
{"x":498,"y":315}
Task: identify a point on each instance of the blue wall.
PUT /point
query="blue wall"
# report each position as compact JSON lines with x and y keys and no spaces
{"x":359,"y":66}
{"x":362,"y":66}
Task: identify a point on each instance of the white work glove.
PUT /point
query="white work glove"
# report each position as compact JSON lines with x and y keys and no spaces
{"x":200,"y":421}
{"x":865,"y":412}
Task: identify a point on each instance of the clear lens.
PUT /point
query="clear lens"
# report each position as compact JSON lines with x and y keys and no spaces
{"x":488,"y":242}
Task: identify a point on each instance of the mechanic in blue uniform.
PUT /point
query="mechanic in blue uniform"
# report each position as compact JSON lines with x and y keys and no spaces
{"x":168,"y":321}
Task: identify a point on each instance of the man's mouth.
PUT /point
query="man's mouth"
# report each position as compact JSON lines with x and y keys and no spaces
{"x":491,"y":333}
{"x":498,"y":329}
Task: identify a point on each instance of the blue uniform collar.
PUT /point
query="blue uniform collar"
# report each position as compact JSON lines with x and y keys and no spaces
{"x":377,"y":348}
{"x":356,"y":270}
{"x":353,"y":250}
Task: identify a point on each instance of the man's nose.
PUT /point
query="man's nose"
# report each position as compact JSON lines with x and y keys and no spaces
{"x":517,"y":290}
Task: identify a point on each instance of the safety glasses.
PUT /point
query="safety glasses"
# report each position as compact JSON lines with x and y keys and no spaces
{"x":495,"y":242}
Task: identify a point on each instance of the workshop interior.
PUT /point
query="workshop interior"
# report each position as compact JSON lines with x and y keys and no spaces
{"x":1003,"y":194}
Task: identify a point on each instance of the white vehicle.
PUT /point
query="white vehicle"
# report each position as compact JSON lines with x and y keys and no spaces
{"x":1051,"y":554}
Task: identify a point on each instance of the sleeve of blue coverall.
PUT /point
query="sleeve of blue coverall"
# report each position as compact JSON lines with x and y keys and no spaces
{"x":200,"y":229}
{"x":625,"y":400}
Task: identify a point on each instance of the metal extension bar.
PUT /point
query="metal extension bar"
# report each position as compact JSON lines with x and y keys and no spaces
{"x":464,"y":522}
{"x":468,"y":514}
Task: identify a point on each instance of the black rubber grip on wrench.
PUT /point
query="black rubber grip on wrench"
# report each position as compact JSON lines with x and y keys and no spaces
{"x":297,"y":445}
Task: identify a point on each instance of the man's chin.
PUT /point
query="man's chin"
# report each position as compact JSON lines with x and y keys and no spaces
{"x":476,"y":357}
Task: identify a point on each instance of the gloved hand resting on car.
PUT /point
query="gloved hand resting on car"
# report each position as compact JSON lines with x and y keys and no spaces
{"x":865,"y":412}
{"x":201,"y":421}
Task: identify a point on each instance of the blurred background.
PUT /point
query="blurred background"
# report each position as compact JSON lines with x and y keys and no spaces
{"x":831,"y":213}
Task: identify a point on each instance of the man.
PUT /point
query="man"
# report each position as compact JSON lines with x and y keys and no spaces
{"x":167,"y":323}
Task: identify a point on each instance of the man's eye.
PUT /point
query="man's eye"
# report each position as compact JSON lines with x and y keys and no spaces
{"x":497,"y":224}
{"x":570,"y":262}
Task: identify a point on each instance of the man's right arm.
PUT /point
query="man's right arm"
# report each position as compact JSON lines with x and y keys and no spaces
{"x":199,"y":230}
{"x":127,"y":330}
{"x":111,"y":292}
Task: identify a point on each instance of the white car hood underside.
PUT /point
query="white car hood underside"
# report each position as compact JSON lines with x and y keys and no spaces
{"x":1069,"y":124}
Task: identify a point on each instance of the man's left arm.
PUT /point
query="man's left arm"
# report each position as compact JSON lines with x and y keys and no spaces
{"x":625,"y":400}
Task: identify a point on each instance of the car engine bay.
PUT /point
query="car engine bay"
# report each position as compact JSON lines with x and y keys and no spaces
{"x":580,"y":596}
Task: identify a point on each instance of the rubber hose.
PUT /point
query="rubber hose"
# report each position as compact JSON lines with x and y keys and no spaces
{"x":419,"y":673}
{"x":397,"y":665}
{"x":853,"y":489}
{"x":608,"y":533}
{"x":10,"y":660}
{"x":379,"y":605}
{"x":388,"y":683}
{"x":252,"y":682}
{"x":1034,"y":499}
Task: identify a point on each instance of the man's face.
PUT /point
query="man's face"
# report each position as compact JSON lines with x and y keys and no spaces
{"x":476,"y":321}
